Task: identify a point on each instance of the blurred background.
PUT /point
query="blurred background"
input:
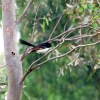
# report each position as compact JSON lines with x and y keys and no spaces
{"x":73,"y":77}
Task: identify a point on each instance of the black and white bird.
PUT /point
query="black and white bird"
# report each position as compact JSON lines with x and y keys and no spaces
{"x":39,"y":48}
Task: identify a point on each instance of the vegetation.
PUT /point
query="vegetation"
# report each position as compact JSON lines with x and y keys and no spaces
{"x":70,"y":70}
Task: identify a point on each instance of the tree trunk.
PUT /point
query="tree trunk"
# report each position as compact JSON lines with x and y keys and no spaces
{"x":14,"y":66}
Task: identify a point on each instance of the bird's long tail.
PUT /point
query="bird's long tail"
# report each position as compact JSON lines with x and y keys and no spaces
{"x":26,"y":43}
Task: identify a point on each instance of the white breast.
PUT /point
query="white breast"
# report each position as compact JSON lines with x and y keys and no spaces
{"x":43,"y":50}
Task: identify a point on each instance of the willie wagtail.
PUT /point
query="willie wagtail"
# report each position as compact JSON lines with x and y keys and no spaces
{"x":39,"y":48}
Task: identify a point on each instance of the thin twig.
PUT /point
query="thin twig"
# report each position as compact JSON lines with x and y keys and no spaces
{"x":26,"y":50}
{"x":24,"y":54}
{"x":77,"y":37}
{"x":66,"y":24}
{"x":56,"y":25}
{"x":24,"y":12}
{"x":3,"y":66}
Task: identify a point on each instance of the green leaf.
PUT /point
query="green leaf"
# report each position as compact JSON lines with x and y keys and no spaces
{"x":95,"y":25}
{"x":90,"y":6}
{"x":43,"y":26}
{"x":47,"y":22}
{"x":73,"y":19}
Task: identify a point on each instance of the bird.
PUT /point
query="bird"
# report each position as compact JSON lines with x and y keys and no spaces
{"x":39,"y":48}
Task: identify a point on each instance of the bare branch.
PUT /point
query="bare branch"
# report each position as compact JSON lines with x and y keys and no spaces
{"x":72,"y":29}
{"x":56,"y":25}
{"x":3,"y":66}
{"x":38,"y":65}
{"x":67,"y":39}
{"x":24,"y":54}
{"x":31,"y":68}
{"x":24,"y":12}
{"x":26,"y":50}
{"x":78,"y":37}
{"x":66,"y":24}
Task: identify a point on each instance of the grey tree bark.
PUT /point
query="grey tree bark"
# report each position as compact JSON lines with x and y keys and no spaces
{"x":14,"y":65}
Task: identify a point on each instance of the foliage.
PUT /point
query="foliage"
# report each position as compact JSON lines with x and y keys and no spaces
{"x":76,"y":75}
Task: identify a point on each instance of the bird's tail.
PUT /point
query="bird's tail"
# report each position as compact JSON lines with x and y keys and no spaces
{"x":26,"y":43}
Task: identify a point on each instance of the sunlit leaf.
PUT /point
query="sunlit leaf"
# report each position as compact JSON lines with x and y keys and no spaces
{"x":95,"y":67}
{"x":69,"y":6}
{"x":43,"y":26}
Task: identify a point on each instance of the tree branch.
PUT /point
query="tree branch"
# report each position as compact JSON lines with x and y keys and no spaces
{"x":3,"y":66}
{"x":31,"y":68}
{"x":78,"y":37}
{"x":56,"y":25}
{"x":72,"y":29}
{"x":64,"y":54}
{"x":24,"y":12}
{"x":63,"y":33}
